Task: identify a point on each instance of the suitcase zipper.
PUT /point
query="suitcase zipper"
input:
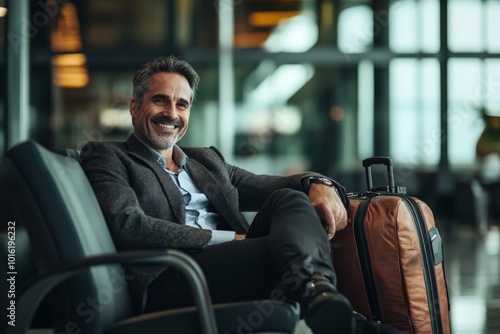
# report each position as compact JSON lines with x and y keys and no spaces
{"x":429,"y":274}
{"x":366,"y":266}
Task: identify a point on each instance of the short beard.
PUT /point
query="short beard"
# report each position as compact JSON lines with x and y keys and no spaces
{"x":160,"y":142}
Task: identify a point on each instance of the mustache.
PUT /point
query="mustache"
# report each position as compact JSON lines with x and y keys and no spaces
{"x":167,"y":120}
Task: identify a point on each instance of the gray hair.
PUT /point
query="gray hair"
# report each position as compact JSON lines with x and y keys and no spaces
{"x":168,"y":64}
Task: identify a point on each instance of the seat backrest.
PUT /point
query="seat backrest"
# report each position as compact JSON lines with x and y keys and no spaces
{"x":69,"y":153}
{"x":50,"y":196}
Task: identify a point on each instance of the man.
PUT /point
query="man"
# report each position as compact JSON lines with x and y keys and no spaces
{"x":155,"y":195}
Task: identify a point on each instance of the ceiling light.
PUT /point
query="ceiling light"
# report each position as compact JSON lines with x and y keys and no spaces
{"x":271,"y":18}
{"x":69,"y":70}
{"x":70,"y":59}
{"x":3,"y":8}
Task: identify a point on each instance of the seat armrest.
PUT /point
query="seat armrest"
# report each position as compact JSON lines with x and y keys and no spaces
{"x":36,"y":290}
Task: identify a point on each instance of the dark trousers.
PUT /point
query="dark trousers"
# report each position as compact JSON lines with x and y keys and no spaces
{"x":286,"y":244}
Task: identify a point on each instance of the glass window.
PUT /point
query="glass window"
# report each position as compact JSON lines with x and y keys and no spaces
{"x":355,"y":29}
{"x":365,"y":109}
{"x":414,"y":111}
{"x":403,"y":32}
{"x":492,"y":8}
{"x":474,"y":25}
{"x":467,"y":87}
{"x":491,"y":88}
{"x":474,"y":86}
{"x":414,"y":26}
{"x":465,"y":25}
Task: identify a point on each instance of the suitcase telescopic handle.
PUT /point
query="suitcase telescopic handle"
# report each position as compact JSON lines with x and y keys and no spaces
{"x":368,"y":162}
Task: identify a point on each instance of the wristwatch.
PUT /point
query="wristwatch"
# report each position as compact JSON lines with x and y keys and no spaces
{"x":321,"y":180}
{"x":324,"y":181}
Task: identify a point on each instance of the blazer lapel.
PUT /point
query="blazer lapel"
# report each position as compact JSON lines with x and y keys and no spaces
{"x":172,"y":193}
{"x":228,"y":210}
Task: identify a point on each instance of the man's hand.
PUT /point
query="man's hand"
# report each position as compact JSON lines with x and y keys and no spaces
{"x":329,"y":207}
{"x":240,"y":237}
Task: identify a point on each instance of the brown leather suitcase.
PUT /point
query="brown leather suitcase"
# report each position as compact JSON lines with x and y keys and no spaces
{"x":389,"y":259}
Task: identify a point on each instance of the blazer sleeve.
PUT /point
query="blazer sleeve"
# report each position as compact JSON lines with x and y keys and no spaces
{"x":253,"y":189}
{"x":110,"y":171}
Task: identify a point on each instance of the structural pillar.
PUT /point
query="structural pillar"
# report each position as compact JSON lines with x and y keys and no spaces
{"x":17,"y":43}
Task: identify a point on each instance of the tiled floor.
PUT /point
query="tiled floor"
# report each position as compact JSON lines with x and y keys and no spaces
{"x":473,"y":275}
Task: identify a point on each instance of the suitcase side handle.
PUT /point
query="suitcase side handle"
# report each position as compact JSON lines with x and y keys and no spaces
{"x":387,"y":161}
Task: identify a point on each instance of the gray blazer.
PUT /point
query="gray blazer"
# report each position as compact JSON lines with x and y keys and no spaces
{"x":144,"y":208}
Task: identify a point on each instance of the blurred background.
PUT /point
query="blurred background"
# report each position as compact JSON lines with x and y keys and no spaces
{"x":287,"y":86}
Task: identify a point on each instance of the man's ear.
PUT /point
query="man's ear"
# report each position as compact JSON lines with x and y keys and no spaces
{"x":133,"y":108}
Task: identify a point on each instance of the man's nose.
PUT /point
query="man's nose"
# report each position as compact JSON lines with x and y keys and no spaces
{"x":170,"y":110}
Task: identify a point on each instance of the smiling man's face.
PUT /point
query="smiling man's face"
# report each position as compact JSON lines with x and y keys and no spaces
{"x":163,"y":118}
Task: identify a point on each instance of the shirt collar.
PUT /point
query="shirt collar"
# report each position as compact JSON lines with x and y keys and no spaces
{"x":179,"y":156}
